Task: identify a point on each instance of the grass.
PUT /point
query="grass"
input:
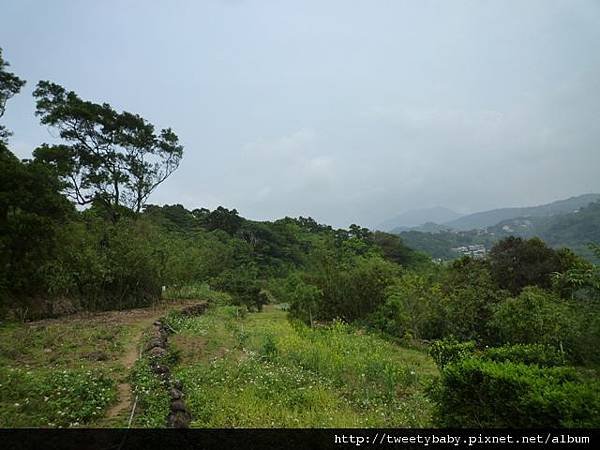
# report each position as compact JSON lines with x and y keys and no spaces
{"x":153,"y":399}
{"x":196,"y":291}
{"x":61,"y":344}
{"x":64,"y":372}
{"x":58,"y":373}
{"x":238,"y":370}
{"x":51,"y":398}
{"x":264,"y":371}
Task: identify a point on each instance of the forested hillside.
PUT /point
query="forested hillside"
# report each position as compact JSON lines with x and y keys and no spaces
{"x":489,"y":218}
{"x":575,"y":230}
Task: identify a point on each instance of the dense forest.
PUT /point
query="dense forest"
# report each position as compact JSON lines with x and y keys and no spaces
{"x":515,"y":336}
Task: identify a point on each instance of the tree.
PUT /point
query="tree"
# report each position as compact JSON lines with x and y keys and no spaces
{"x":304,"y":299}
{"x":113,"y":158}
{"x":516,"y":263}
{"x":222,"y":219}
{"x":470,"y":299}
{"x":536,"y":316}
{"x":393,"y":248}
{"x":10,"y":85}
{"x":32,"y":210}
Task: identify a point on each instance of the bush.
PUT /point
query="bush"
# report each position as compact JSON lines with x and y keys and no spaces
{"x":354,"y":289}
{"x":242,"y":284}
{"x":411,"y":309}
{"x":537,"y":317}
{"x":542,"y":355}
{"x":477,"y":393}
{"x":197,"y":292}
{"x":449,"y":350}
{"x":470,"y":300}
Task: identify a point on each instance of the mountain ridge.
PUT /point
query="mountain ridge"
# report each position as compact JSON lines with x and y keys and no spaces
{"x":492,"y":217}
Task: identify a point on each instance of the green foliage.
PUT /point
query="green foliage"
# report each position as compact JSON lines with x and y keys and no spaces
{"x":354,"y":289}
{"x":477,"y":393}
{"x":470,"y":300}
{"x":116,"y":159}
{"x":449,"y":350}
{"x":304,"y":298}
{"x":516,"y":263}
{"x":152,"y":395}
{"x":412,"y":308}
{"x":537,"y":317}
{"x":55,"y":398}
{"x":32,"y":212}
{"x":243,"y":284}
{"x":197,"y":292}
{"x":108,"y":266}
{"x":542,"y":355}
{"x":393,"y":249}
{"x":10,"y":85}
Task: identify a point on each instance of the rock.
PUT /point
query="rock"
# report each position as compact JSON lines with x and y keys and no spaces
{"x":97,"y":356}
{"x":195,"y":310}
{"x":175,"y":394}
{"x":156,"y":342}
{"x":157,"y":352}
{"x":178,"y":405}
{"x":179,"y":419}
{"x":177,"y":384}
{"x":161,"y":370}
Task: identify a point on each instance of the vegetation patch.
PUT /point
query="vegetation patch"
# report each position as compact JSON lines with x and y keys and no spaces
{"x":54,"y":398}
{"x":152,"y":396}
{"x":282,"y":374}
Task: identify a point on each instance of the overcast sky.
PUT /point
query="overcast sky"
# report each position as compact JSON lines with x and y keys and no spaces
{"x":347,"y":111}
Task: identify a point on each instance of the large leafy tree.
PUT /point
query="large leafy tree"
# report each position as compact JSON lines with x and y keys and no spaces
{"x":10,"y":85}
{"x":516,"y":263}
{"x":115,"y":159}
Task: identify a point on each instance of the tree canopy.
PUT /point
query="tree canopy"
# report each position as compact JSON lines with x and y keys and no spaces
{"x":10,"y":85}
{"x":114,"y":158}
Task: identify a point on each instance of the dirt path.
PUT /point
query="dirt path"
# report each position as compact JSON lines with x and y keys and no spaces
{"x":123,"y":406}
{"x":137,"y":320}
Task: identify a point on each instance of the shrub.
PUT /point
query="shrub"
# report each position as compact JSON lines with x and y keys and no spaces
{"x":542,"y":355}
{"x":200,"y":291}
{"x":354,"y":289}
{"x":477,"y":393}
{"x":470,"y":300}
{"x":537,"y":317}
{"x":411,"y":309}
{"x":449,"y":350}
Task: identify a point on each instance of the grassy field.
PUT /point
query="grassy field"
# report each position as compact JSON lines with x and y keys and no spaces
{"x":67,"y":372}
{"x":238,"y":370}
{"x":263,"y":371}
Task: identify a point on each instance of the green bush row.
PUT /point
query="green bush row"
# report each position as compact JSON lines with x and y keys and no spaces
{"x":474,"y":392}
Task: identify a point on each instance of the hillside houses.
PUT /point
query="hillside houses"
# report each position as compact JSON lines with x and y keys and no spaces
{"x":475,"y":251}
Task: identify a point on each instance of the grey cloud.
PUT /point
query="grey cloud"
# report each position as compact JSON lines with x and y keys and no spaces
{"x":348,"y":111}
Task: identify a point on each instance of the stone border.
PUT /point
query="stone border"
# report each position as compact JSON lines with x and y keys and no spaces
{"x":156,"y":347}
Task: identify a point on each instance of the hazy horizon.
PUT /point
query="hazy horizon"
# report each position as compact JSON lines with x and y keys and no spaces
{"x":346,"y":111}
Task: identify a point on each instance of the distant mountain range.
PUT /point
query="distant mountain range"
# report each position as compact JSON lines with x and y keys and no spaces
{"x":489,"y":218}
{"x":573,"y":223}
{"x":417,"y":217}
{"x":442,"y":219}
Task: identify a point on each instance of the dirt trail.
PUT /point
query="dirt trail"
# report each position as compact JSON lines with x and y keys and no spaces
{"x":138,"y":320}
{"x":130,"y":356}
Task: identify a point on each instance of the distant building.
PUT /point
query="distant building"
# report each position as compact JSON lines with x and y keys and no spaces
{"x":476,"y":251}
